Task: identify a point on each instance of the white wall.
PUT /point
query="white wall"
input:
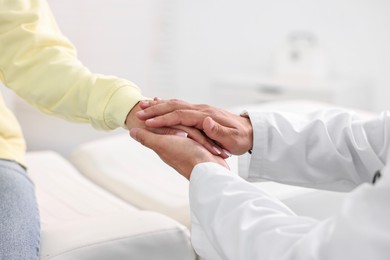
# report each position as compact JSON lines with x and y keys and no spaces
{"x":112,"y":37}
{"x":175,"y":48}
{"x":231,"y":37}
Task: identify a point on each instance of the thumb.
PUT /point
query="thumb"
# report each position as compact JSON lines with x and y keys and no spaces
{"x":145,"y":137}
{"x":216,"y":131}
{"x":153,"y":140}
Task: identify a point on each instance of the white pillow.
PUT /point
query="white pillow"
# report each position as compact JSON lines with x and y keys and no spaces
{"x":136,"y":174}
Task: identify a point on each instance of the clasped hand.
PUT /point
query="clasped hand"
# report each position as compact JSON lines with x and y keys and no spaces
{"x":214,"y":134}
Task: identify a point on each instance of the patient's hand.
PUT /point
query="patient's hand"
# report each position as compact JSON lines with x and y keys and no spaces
{"x":179,"y":152}
{"x":132,"y":121}
{"x":234,"y":133}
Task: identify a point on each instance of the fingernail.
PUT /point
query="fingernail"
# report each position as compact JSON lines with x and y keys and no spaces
{"x":182,"y":134}
{"x":144,"y":103}
{"x":157,"y":99}
{"x":217,"y":150}
{"x":148,"y":121}
{"x":133,"y":133}
{"x":141,"y":113}
{"x":212,"y":123}
{"x":227,"y":152}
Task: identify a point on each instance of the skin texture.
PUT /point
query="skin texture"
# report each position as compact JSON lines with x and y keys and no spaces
{"x":231,"y":132}
{"x":179,"y":152}
{"x":132,"y":121}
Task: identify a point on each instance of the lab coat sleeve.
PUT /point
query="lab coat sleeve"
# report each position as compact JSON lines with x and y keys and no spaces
{"x":330,"y":149}
{"x":234,"y":220}
{"x":42,"y":67}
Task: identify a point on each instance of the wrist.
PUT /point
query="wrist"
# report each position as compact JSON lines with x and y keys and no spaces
{"x":131,"y":118}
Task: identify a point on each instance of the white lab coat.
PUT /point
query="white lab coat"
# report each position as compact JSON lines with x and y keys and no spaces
{"x":333,"y":149}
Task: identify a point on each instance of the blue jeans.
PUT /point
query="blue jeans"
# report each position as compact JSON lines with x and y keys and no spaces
{"x":19,"y":216}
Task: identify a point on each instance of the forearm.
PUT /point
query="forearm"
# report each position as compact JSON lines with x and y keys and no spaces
{"x":235,"y":220}
{"x":332,"y":149}
{"x":41,"y":66}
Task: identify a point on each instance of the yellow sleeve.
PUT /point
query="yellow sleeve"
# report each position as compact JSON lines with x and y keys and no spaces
{"x":42,"y":67}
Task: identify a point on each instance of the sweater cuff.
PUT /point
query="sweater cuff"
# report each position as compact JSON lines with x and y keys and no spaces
{"x":120,"y":104}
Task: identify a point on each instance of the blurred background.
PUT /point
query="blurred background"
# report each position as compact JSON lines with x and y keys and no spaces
{"x":225,"y":53}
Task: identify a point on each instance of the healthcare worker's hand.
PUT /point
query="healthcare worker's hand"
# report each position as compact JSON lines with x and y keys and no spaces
{"x":234,"y":133}
{"x":132,"y":121}
{"x":179,"y":152}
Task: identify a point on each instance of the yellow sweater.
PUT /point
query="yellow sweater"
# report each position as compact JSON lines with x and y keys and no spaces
{"x":41,"y":66}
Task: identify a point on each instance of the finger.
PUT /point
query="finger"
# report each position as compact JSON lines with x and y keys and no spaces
{"x":147,"y":103}
{"x":203,"y":140}
{"x":226,"y":154}
{"x":219,"y":133}
{"x":169,"y":131}
{"x":191,"y":118}
{"x":161,"y":107}
{"x":144,"y":137}
{"x":194,"y":134}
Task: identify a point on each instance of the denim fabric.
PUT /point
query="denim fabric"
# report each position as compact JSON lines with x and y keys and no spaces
{"x":19,"y":216}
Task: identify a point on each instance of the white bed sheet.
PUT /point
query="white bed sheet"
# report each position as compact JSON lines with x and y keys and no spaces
{"x":80,"y":220}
